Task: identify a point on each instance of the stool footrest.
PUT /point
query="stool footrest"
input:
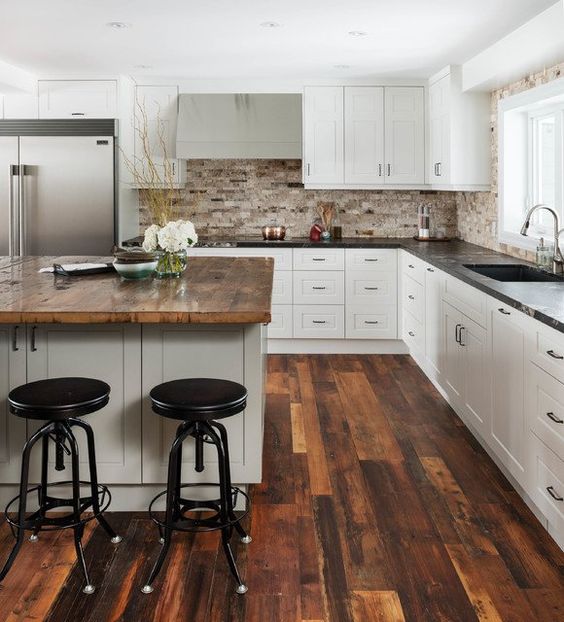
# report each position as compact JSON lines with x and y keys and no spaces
{"x":211,"y":523}
{"x":37,"y":521}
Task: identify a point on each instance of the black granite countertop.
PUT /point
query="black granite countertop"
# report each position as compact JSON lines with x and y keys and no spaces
{"x":542,"y":301}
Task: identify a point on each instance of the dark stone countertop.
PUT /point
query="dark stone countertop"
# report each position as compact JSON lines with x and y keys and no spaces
{"x":542,"y":301}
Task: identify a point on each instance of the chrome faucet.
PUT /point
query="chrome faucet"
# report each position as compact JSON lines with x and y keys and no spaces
{"x":557,"y":259}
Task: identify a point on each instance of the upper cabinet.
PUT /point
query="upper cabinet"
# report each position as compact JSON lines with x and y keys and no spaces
{"x":77,"y":99}
{"x":159,"y":106}
{"x":459,"y":155}
{"x":364,"y":136}
{"x":323,"y":135}
{"x":19,"y":106}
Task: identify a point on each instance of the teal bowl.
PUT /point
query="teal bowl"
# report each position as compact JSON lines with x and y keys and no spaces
{"x":135,"y":271}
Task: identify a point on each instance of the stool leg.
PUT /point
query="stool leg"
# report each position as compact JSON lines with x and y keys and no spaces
{"x":23,"y":498}
{"x":115,"y":539}
{"x":244,"y":536}
{"x":225,"y":493}
{"x":43,"y":488}
{"x":78,"y":529}
{"x":171,"y":491}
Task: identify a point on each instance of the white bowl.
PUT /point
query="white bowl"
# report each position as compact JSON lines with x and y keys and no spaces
{"x":135,"y":270}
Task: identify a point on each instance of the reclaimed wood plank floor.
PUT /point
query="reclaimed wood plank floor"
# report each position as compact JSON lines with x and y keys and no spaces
{"x":377,"y":505}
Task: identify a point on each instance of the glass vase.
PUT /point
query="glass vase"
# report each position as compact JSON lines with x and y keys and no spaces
{"x":171,"y":265}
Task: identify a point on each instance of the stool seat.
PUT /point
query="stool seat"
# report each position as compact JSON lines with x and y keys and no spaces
{"x":198,"y":399}
{"x":57,"y":399}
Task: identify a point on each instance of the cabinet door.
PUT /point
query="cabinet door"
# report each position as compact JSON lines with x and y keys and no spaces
{"x":111,"y":353}
{"x":477,"y":387}
{"x":159,"y":104}
{"x":433,"y":319}
{"x":172,"y":352}
{"x":453,"y":363}
{"x":404,"y":135}
{"x":20,"y":106}
{"x":439,"y":131}
{"x":507,"y":374}
{"x":12,"y":374}
{"x":364,"y":135}
{"x":323,"y":135}
{"x":77,"y":99}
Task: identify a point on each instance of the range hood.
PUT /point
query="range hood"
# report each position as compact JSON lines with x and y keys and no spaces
{"x":263,"y":126}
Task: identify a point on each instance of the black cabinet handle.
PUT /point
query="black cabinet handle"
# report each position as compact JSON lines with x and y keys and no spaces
{"x":456,"y":334}
{"x":411,"y":297}
{"x":77,"y":114}
{"x":411,"y":333}
{"x":371,"y":289}
{"x":370,"y":322}
{"x":430,"y":270}
{"x":318,"y":258}
{"x":553,"y":494}
{"x":314,"y":287}
{"x":554,"y":355}
{"x":502,"y":310}
{"x":554,"y":418}
{"x":410,"y":266}
{"x":15,"y":346}
{"x":33,"y":346}
{"x":460,"y":336}
{"x":319,"y":322}
{"x":370,"y":259}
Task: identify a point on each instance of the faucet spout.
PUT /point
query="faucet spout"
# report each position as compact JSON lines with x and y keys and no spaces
{"x":558,"y":259}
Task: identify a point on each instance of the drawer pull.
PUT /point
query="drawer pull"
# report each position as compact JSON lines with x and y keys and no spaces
{"x":370,"y":322}
{"x":319,"y":322}
{"x":554,"y":418}
{"x":430,"y":270}
{"x":318,"y":259}
{"x":553,"y":494}
{"x":553,"y":354}
{"x":411,"y":297}
{"x":370,"y":259}
{"x":411,"y":266}
{"x":502,"y":310}
{"x":15,"y":346}
{"x":370,"y":289}
{"x":411,"y":333}
{"x":314,"y":287}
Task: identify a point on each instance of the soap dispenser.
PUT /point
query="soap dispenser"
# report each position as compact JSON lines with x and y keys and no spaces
{"x":545,"y":253}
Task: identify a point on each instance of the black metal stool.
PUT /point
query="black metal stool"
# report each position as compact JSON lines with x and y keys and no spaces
{"x":59,"y":401}
{"x":198,"y":402}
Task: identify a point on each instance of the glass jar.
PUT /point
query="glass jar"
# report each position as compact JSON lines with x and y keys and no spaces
{"x":171,"y":265}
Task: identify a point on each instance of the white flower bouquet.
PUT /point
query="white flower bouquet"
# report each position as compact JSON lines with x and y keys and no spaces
{"x":171,"y":241}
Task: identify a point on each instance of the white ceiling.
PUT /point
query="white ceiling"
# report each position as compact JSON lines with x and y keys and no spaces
{"x":204,"y":39}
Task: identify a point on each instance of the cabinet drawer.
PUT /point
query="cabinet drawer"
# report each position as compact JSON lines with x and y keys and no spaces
{"x":413,"y":298}
{"x":381,"y":260}
{"x":413,"y":333}
{"x":313,"y":287}
{"x":413,"y":267}
{"x":322,"y":259}
{"x":365,"y":287}
{"x":371,"y":322}
{"x":282,"y":256}
{"x":282,"y":287}
{"x":323,"y":321}
{"x":545,"y":408}
{"x":547,"y":484}
{"x":281,"y":325}
{"x":468,"y":299}
{"x":546,"y":349}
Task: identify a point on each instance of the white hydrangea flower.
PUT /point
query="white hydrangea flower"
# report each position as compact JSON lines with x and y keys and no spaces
{"x":150,"y":241}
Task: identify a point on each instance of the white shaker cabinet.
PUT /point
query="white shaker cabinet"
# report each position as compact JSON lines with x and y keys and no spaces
{"x":453,"y":376}
{"x":364,"y":135}
{"x":108,"y":352}
{"x":159,"y":104}
{"x":20,"y":106}
{"x":12,"y":374}
{"x":404,"y":135}
{"x":323,"y":135}
{"x":507,"y":349}
{"x":77,"y":99}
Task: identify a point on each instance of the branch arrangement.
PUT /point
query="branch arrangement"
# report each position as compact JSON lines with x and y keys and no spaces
{"x":326,"y":212}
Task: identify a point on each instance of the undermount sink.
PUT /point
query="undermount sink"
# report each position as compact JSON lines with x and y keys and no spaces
{"x":514,"y":273}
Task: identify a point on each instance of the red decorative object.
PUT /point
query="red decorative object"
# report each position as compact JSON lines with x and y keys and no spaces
{"x":315,"y":233}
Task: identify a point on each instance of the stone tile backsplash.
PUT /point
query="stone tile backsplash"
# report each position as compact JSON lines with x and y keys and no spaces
{"x":237,"y":197}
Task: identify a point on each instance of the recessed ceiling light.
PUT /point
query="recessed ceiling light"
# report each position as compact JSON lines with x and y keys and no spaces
{"x":143,"y":66}
{"x":270,"y":25}
{"x":357,"y":33}
{"x":342,"y":66}
{"x":117,"y":25}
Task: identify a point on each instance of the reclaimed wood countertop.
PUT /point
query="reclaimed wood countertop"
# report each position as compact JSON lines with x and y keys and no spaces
{"x":212,"y":290}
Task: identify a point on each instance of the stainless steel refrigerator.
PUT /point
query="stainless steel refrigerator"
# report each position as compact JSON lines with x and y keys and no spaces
{"x":57,"y":187}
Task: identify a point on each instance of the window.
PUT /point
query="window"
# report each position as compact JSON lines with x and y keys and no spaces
{"x":531,"y":163}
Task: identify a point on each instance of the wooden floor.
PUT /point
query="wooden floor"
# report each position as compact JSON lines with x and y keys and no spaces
{"x":377,"y":505}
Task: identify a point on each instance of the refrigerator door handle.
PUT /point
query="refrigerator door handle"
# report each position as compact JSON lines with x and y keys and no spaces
{"x":21,"y":211}
{"x":11,"y":211}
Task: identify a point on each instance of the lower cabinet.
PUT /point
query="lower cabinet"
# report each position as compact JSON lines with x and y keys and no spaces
{"x":319,"y":321}
{"x":109,"y":352}
{"x":12,"y":374}
{"x":433,"y":320}
{"x":171,"y":352}
{"x":507,"y":347}
{"x":365,"y":322}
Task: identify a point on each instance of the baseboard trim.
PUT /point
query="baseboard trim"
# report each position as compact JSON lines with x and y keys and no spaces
{"x":337,"y":346}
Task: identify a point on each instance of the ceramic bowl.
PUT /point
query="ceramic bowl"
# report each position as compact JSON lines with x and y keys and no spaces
{"x":137,"y":270}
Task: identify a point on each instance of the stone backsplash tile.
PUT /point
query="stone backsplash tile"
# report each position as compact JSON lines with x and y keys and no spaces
{"x":237,"y":197}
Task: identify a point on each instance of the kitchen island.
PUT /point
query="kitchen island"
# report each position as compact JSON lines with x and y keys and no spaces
{"x":135,"y":335}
